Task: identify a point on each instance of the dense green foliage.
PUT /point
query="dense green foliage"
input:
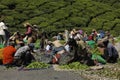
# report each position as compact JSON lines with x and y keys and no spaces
{"x":52,"y":15}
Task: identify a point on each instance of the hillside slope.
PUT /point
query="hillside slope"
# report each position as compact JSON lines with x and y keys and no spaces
{"x":62,"y":14}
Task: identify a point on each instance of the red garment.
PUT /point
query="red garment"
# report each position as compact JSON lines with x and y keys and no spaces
{"x":8,"y":54}
{"x":56,"y":58}
{"x":90,"y":37}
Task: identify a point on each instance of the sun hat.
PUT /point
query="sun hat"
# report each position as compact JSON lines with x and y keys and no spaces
{"x":27,"y":24}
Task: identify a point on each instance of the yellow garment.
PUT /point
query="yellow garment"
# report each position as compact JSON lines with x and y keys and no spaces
{"x":57,"y":43}
{"x":82,"y":44}
{"x":1,"y":53}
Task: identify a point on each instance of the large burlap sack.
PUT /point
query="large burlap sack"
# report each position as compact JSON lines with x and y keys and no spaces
{"x":44,"y":58}
{"x":65,"y":58}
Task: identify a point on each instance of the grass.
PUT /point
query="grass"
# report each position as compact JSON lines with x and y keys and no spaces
{"x":111,"y":71}
{"x":118,"y":62}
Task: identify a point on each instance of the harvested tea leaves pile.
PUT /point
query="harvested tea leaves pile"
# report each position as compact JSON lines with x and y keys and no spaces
{"x":38,"y":65}
{"x":75,"y":66}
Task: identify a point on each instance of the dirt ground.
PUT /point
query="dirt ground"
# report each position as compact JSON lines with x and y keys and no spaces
{"x":41,"y":74}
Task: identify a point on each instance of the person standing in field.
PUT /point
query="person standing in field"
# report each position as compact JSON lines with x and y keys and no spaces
{"x":28,"y":33}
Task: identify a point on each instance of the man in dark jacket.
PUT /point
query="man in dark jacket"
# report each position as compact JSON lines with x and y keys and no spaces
{"x":110,"y":52}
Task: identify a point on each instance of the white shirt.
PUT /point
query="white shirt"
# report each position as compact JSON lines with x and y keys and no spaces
{"x":47,"y":48}
{"x":21,"y":50}
{"x":2,"y":27}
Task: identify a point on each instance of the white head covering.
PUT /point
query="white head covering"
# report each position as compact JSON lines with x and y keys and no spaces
{"x":3,"y":26}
